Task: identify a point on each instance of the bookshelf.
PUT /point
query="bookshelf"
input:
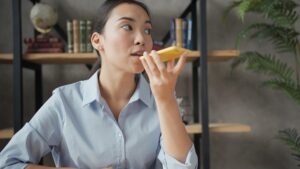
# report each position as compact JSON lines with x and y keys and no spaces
{"x":89,"y":58}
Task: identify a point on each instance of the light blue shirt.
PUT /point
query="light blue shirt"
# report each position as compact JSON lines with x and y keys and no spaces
{"x":77,"y":126}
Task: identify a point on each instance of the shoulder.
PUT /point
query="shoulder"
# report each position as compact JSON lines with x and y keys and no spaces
{"x":69,"y":92}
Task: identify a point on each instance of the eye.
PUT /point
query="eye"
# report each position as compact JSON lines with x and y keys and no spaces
{"x":148,"y":31}
{"x":127,"y":27}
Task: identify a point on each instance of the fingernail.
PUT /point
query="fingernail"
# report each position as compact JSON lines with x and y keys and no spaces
{"x":145,"y":53}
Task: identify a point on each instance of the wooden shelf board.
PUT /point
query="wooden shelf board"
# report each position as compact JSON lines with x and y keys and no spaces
{"x":6,"y":133}
{"x":6,"y":58}
{"x":216,"y":55}
{"x":219,"y":128}
{"x":61,"y":58}
{"x":89,"y":58}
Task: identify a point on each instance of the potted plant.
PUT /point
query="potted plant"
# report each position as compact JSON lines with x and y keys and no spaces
{"x":278,"y":28}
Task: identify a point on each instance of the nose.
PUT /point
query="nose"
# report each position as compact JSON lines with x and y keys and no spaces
{"x":140,"y":39}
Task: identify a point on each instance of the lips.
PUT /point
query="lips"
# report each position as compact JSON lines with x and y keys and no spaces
{"x":138,"y":53}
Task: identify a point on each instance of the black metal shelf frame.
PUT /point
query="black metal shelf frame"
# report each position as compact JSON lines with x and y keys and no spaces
{"x":202,"y":148}
{"x":18,"y":65}
{"x":201,"y":145}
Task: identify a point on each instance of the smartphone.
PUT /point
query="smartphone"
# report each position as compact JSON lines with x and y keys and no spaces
{"x":172,"y":52}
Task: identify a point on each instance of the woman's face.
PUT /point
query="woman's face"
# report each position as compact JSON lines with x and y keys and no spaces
{"x":126,"y":35}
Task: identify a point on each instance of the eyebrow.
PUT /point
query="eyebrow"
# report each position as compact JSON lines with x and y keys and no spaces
{"x":133,"y":20}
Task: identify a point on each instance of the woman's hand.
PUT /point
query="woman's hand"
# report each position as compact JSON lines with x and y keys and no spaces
{"x":162,"y":82}
{"x":162,"y":77}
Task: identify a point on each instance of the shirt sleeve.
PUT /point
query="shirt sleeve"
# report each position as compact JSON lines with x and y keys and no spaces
{"x":35,"y":139}
{"x":169,"y":162}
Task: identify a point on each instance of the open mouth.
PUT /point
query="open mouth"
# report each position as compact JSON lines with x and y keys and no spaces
{"x":138,"y":54}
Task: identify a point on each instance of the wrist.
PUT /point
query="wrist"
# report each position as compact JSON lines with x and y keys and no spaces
{"x":166,"y":101}
{"x":165,"y":98}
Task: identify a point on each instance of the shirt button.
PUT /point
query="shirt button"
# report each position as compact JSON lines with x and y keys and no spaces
{"x":120,"y":135}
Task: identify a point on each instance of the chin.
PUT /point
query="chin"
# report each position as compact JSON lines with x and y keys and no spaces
{"x":138,"y":69}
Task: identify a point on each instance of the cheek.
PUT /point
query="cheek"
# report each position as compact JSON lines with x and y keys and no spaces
{"x":149,"y":45}
{"x":119,"y":42}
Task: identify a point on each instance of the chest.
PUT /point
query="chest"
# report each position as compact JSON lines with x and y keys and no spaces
{"x":131,"y":142}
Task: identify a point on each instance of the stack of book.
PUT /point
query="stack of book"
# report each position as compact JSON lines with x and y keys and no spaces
{"x":181,"y":32}
{"x":79,"y":32}
{"x":44,"y":43}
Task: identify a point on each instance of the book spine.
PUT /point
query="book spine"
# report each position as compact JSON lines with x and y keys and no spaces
{"x":184,"y":33}
{"x":189,"y":34}
{"x":89,"y":47}
{"x":82,"y":35}
{"x":70,"y":36}
{"x":45,"y":45}
{"x":44,"y":50}
{"x":76,"y":36}
{"x":178,"y":22}
{"x":172,"y":32}
{"x":54,"y":40}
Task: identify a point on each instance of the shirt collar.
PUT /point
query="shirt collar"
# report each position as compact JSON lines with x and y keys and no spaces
{"x":91,"y":91}
{"x":142,"y":91}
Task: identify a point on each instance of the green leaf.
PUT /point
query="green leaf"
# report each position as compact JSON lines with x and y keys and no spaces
{"x":229,"y":9}
{"x":265,"y":64}
{"x":291,"y":138}
{"x":288,"y":86}
{"x":281,"y":12}
{"x":284,"y":39}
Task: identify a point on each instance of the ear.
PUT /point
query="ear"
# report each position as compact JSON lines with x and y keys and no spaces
{"x":96,"y":41}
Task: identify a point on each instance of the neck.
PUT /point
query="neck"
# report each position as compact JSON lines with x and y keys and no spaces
{"x":118,"y":86}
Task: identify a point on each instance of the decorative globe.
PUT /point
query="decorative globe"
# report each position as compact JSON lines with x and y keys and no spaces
{"x":43,"y":17}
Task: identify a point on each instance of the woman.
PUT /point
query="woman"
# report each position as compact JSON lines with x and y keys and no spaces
{"x":114,"y":119}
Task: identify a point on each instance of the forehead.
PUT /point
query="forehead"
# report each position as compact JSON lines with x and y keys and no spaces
{"x":129,"y":10}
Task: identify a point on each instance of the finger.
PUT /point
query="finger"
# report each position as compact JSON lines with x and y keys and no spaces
{"x":160,"y":65}
{"x":180,"y":64}
{"x":151,"y":65}
{"x":170,"y":65}
{"x":146,"y":67}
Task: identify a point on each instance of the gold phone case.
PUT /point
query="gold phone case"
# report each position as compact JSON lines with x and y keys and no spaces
{"x":172,"y":52}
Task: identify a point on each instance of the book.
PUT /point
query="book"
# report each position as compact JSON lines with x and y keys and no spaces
{"x":172,"y":32}
{"x":189,"y":34}
{"x":82,"y":36}
{"x":184,"y":33}
{"x":44,"y":43}
{"x":89,"y":47}
{"x":44,"y":50}
{"x":178,"y":28}
{"x":42,"y":38}
{"x":75,"y":36}
{"x":70,"y":36}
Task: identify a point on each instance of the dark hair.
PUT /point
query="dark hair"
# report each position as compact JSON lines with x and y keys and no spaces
{"x":103,"y":14}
